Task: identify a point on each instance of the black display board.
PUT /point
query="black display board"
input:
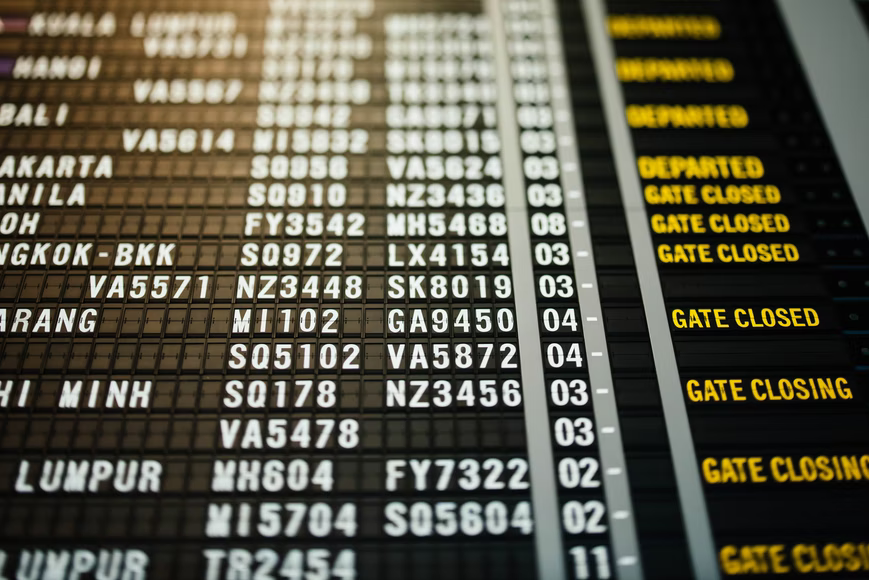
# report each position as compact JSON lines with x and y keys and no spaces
{"x":381,"y":289}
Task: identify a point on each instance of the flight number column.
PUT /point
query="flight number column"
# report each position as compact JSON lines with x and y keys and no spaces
{"x":295,"y":350}
{"x":451,"y":353}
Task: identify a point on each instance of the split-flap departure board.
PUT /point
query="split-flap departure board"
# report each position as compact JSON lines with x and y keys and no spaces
{"x":442,"y":290}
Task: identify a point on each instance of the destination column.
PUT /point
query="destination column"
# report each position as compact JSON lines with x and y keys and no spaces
{"x":97,"y":462}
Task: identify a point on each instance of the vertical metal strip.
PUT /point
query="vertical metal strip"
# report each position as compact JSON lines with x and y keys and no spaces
{"x":831,"y":41}
{"x":694,"y":513}
{"x":617,"y":491}
{"x":544,"y":493}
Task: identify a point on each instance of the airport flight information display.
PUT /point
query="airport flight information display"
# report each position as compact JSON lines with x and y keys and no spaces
{"x":442,"y":290}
